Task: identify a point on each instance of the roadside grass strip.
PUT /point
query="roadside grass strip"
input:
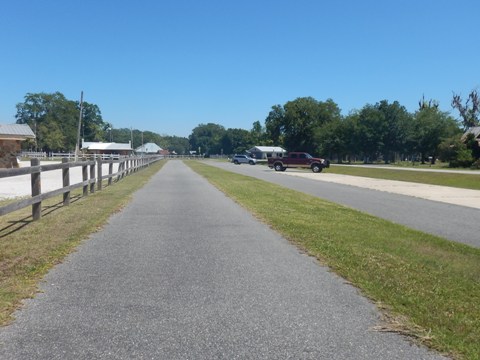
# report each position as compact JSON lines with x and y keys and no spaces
{"x":427,"y":287}
{"x":28,"y":249}
{"x":464,"y":181}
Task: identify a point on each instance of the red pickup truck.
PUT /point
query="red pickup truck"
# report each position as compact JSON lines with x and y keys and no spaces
{"x":297,"y":160}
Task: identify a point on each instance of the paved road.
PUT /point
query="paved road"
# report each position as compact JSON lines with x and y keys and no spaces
{"x":453,"y":222}
{"x":185,"y":273}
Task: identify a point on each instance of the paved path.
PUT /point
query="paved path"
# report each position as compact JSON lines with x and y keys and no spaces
{"x":185,"y":273}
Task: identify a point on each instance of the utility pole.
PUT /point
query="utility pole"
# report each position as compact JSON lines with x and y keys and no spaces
{"x":77,"y":146}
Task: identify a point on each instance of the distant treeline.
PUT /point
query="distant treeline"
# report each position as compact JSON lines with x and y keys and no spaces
{"x":380,"y":132}
{"x":54,"y":120}
{"x":383,"y":131}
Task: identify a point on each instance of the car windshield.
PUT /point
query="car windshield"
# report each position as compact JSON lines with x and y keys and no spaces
{"x":308,"y":156}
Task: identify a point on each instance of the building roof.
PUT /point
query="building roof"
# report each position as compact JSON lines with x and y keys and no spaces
{"x":92,"y":146}
{"x":16,"y":131}
{"x":473,"y":130}
{"x":151,"y":148}
{"x":267,"y":149}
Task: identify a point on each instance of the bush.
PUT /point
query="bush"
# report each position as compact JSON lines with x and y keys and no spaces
{"x":463,"y":159}
{"x":476,"y":164}
{"x":455,"y":152}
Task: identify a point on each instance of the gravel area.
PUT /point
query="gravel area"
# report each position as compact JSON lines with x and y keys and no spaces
{"x":19,"y":186}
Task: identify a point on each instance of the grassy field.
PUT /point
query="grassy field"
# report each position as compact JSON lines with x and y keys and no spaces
{"x":29,"y":249}
{"x":428,"y":288}
{"x":465,"y":181}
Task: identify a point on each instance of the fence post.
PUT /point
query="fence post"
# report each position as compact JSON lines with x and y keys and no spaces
{"x":85,"y":178}
{"x":92,"y":177}
{"x":99,"y":174}
{"x":36,"y":189}
{"x":120,"y":170}
{"x":110,"y":172}
{"x":66,"y":182}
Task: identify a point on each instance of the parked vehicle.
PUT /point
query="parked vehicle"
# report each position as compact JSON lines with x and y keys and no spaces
{"x":297,"y":160}
{"x":243,"y":159}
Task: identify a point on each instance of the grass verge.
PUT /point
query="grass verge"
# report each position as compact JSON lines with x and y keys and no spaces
{"x":428,"y":287}
{"x":464,"y":181}
{"x":29,"y":249}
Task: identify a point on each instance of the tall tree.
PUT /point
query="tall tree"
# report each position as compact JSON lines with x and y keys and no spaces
{"x":395,"y":129}
{"x":303,"y":116}
{"x":53,"y":118}
{"x":368,"y":132}
{"x":236,"y":141}
{"x":336,"y":138}
{"x":206,"y":138}
{"x":92,"y":122}
{"x":257,"y":133}
{"x":470,"y":112}
{"x":176,"y":144}
{"x":431,"y":127}
{"x":296,"y":124}
{"x":382,"y":129}
{"x":274,"y":125}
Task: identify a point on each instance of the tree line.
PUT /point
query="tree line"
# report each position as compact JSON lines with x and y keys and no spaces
{"x":54,"y":120}
{"x":377,"y":132}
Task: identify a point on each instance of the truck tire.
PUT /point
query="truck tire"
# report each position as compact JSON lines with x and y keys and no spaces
{"x":278,"y":167}
{"x":316,"y":168}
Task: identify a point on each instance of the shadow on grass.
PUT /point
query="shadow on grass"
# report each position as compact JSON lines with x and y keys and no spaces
{"x":16,"y":225}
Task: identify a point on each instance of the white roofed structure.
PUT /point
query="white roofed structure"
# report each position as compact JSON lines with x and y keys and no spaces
{"x":264,"y":152}
{"x":149,"y":148}
{"x":16,"y":132}
{"x":107,"y":148}
{"x":11,"y":137}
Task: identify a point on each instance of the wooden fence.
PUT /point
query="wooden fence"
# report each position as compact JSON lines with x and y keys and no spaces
{"x":126,"y":166}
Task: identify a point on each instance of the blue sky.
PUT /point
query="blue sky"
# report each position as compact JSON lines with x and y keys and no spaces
{"x":169,"y":65}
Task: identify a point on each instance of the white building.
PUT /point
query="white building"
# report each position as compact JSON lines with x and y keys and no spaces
{"x":148,"y":148}
{"x":264,"y":152}
{"x":107,"y":148}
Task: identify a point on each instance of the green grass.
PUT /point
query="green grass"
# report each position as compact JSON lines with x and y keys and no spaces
{"x":29,"y":249}
{"x":465,"y":181}
{"x":428,"y":287}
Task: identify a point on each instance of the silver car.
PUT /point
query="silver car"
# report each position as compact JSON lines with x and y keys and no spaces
{"x":243,"y":159}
